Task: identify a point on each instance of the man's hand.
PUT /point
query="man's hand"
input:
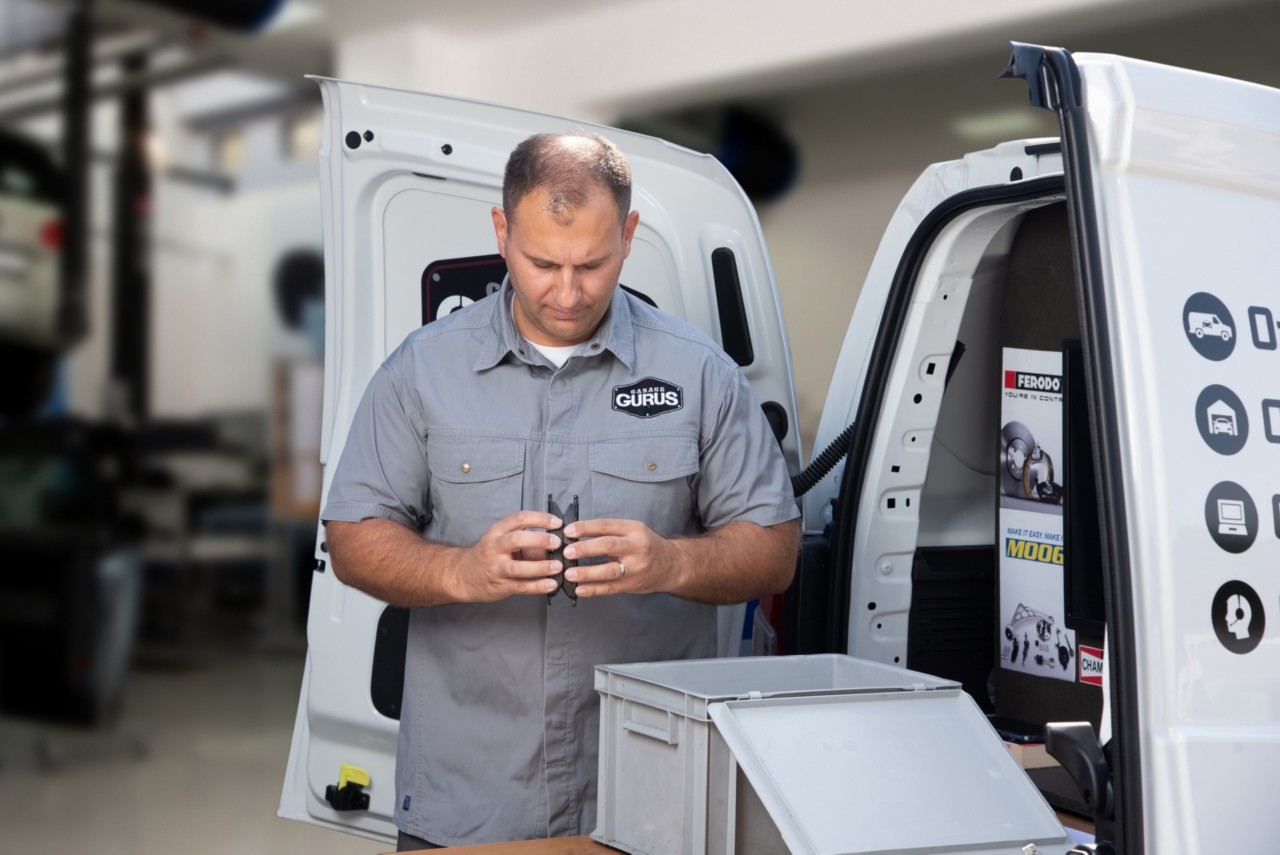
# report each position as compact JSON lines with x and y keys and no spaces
{"x":508,"y":559}
{"x":732,"y":564}
{"x":400,"y":567}
{"x":640,"y":561}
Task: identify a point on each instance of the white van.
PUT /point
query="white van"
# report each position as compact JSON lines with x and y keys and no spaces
{"x":1020,"y":426}
{"x":1201,"y":324}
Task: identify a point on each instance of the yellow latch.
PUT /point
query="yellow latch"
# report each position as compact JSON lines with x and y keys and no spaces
{"x":349,"y":794}
{"x":348,"y":774}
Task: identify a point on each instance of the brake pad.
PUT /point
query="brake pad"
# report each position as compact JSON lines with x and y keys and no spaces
{"x":568,"y":515}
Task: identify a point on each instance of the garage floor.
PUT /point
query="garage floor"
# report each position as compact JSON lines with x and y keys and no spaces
{"x":215,"y":729}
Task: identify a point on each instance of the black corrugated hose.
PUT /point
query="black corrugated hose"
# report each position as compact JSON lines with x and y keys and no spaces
{"x":821,"y":465}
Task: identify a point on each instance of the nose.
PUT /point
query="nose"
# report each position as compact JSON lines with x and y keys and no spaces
{"x":567,"y":288}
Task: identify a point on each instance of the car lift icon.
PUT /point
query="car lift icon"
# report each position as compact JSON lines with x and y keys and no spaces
{"x":1222,"y":418}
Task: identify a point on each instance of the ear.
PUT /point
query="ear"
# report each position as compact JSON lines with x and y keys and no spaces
{"x":500,"y":230}
{"x":628,"y":231}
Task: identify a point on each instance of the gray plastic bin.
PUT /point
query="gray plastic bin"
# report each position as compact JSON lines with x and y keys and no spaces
{"x":654,"y":734}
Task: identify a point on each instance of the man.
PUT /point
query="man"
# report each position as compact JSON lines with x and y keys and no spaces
{"x":562,"y":387}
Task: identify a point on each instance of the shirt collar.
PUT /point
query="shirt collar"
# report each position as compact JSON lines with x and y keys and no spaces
{"x":615,"y":335}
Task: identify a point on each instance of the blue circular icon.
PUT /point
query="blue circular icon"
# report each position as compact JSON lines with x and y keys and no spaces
{"x":1238,"y":617}
{"x":1231,"y":517}
{"x":1222,"y":420}
{"x":1209,"y":326}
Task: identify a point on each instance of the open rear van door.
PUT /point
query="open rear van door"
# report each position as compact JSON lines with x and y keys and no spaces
{"x":1173,"y":181}
{"x":1146,"y":236}
{"x":407,"y":182}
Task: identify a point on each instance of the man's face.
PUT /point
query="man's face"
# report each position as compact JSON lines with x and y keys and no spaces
{"x":563,"y":269}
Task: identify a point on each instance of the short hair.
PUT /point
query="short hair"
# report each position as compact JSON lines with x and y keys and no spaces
{"x":569,"y":169}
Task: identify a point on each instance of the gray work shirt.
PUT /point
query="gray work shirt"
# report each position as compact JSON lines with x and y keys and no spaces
{"x":466,"y":423}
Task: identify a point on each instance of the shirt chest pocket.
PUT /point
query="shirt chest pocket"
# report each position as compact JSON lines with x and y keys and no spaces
{"x":648,"y":479}
{"x":475,"y":481}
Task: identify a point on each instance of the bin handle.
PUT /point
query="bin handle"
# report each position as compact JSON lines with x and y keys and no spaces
{"x":668,"y":734}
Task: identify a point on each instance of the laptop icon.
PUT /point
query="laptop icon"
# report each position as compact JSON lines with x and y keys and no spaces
{"x":1231,"y":517}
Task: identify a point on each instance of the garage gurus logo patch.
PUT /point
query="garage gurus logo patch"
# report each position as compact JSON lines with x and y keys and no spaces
{"x":647,"y":398}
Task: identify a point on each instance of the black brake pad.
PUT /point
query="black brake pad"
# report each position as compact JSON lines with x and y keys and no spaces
{"x":1049,"y":491}
{"x":568,"y":515}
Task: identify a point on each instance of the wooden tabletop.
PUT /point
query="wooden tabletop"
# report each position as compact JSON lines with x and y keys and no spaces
{"x":554,"y":846}
{"x":587,"y":846}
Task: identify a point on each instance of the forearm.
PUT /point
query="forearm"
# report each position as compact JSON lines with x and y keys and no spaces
{"x":393,"y":563}
{"x":735,"y":563}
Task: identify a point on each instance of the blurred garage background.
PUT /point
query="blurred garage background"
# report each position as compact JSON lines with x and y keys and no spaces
{"x":161,"y":314}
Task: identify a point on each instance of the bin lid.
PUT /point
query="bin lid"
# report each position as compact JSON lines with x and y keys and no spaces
{"x":902,"y":772}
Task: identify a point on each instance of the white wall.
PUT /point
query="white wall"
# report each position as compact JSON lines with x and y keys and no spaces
{"x":214,"y":331}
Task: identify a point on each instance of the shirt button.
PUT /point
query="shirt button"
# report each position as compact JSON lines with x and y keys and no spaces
{"x":595,"y":346}
{"x":466,"y":467}
{"x":652,"y":466}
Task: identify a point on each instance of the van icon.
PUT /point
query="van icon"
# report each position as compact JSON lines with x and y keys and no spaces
{"x":1210,"y":328}
{"x":1200,"y":324}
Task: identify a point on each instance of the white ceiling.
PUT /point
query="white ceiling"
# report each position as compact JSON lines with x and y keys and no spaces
{"x":454,"y":17}
{"x":652,"y":56}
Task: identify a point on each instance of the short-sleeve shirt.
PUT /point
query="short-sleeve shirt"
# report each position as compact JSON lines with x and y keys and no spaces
{"x":465,"y":424}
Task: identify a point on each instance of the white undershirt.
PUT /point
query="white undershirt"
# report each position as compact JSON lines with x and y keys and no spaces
{"x":558,"y":355}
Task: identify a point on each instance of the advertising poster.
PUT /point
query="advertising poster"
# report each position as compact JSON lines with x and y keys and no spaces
{"x":1034,"y":638}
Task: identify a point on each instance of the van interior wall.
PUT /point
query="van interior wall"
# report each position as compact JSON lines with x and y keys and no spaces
{"x":1023,"y":295}
{"x":962,"y":470}
{"x":1040,"y":311}
{"x":954,"y":596}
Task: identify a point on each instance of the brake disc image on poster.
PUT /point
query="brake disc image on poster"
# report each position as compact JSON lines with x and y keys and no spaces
{"x":1034,"y":638}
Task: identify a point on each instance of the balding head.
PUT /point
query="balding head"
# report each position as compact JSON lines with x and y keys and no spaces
{"x":570,"y":166}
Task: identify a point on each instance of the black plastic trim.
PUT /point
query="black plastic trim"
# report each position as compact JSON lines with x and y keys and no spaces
{"x":390,"y":647}
{"x":777,"y":417}
{"x":735,"y":334}
{"x":873,"y":388}
{"x":1043,"y":148}
{"x":1053,"y":82}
